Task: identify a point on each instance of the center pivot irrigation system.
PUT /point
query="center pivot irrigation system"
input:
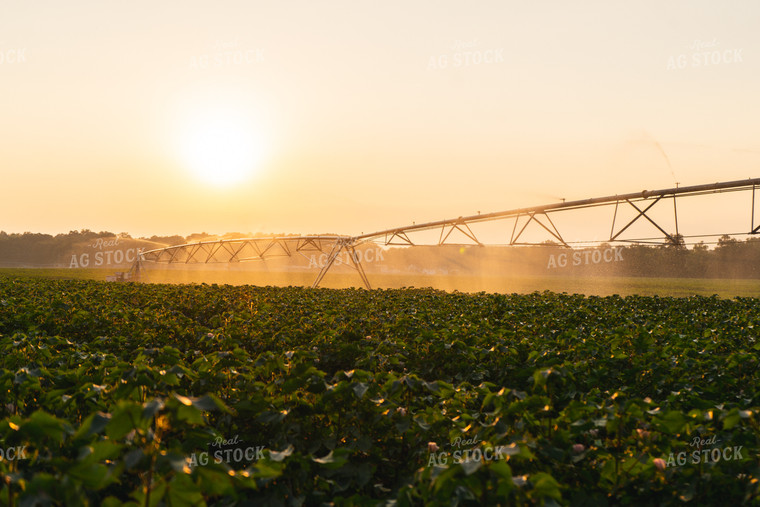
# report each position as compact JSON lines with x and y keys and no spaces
{"x":259,"y":249}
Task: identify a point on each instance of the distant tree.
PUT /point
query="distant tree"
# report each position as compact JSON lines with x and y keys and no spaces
{"x":198,"y":236}
{"x":727,"y":241}
{"x":677,"y":241}
{"x":167,"y":240}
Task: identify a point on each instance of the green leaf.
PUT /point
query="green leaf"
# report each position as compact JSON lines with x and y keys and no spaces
{"x":99,"y":451}
{"x":334,"y":459}
{"x":133,"y":457}
{"x":157,"y":491}
{"x":471,"y":466}
{"x":544,"y":485}
{"x":209,"y":402}
{"x":152,"y":408}
{"x":111,"y":501}
{"x":42,"y":425}
{"x":93,"y":424}
{"x":360,"y":388}
{"x":93,"y":476}
{"x":279,"y":456}
{"x":731,"y":420}
{"x":672,"y":422}
{"x":183,"y":491}
{"x":267,"y":470}
{"x":190,"y":414}
{"x":125,"y":418}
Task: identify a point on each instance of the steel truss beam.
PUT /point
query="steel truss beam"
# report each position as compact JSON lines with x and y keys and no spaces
{"x":752,"y":223}
{"x":387,"y":236}
{"x":263,"y":248}
{"x":401,"y":235}
{"x":460,"y":226}
{"x":348,"y":245}
{"x":643,"y":213}
{"x":532,"y":218}
{"x":228,"y":251}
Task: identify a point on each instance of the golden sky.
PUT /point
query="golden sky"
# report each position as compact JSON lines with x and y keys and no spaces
{"x":352,"y":116}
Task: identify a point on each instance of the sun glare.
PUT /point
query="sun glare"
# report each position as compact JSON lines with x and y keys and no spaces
{"x":221,"y":149}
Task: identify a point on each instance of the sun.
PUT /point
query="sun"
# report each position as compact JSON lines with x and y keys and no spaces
{"x":221,"y":148}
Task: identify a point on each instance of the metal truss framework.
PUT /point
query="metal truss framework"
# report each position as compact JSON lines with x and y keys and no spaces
{"x":240,"y":250}
{"x":249,"y":249}
{"x":257,"y":249}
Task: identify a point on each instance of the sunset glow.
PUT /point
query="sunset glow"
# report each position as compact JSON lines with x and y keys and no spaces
{"x":362,"y":117}
{"x":221,"y":150}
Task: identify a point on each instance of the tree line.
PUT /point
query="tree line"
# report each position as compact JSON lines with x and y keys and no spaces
{"x":729,"y":258}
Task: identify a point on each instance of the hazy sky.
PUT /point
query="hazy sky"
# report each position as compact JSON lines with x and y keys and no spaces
{"x":351,"y":116}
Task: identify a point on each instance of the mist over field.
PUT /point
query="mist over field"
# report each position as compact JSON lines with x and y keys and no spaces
{"x":730,"y":268}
